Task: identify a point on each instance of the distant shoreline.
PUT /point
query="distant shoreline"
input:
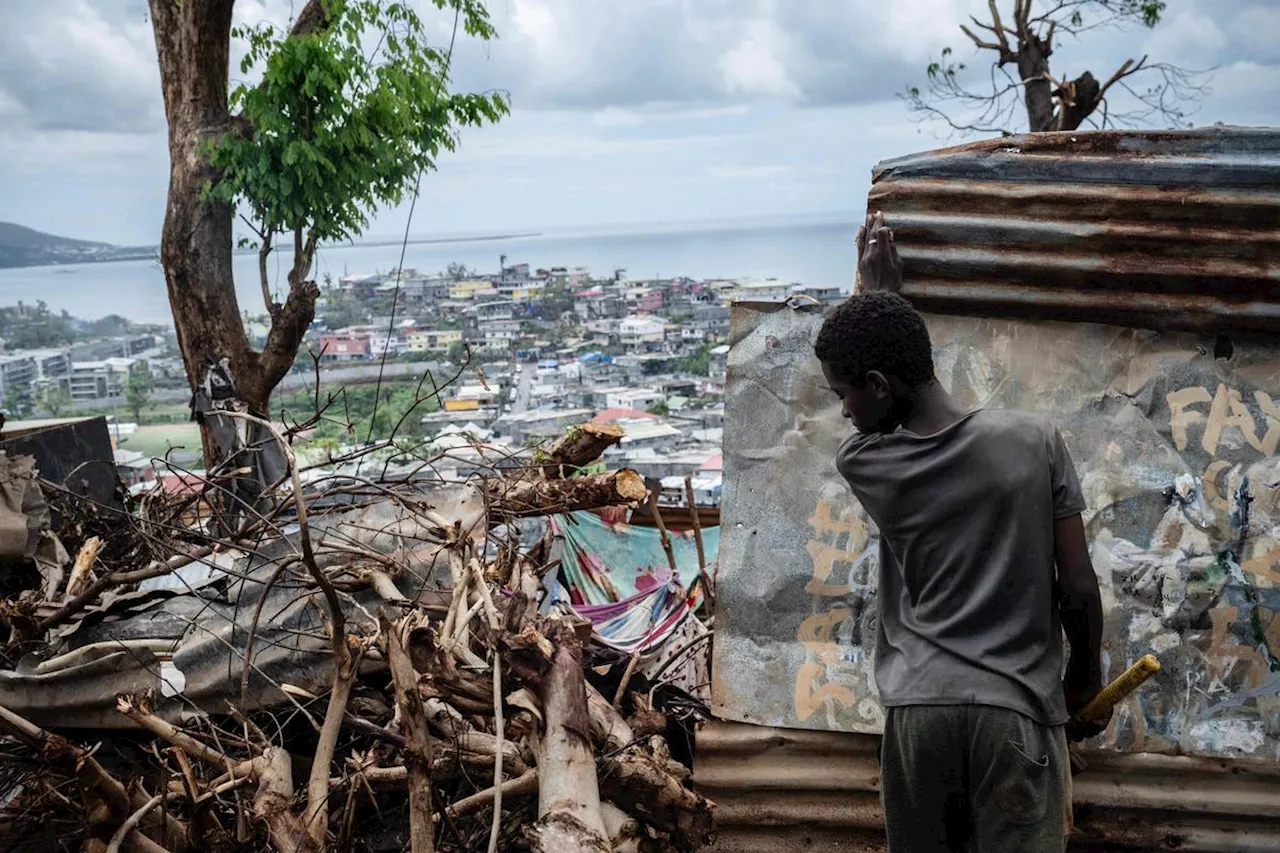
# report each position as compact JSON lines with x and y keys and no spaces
{"x":128,"y":253}
{"x":150,"y":252}
{"x":427,"y":241}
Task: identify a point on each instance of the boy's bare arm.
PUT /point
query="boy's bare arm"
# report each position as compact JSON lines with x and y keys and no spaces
{"x":1080,"y":603}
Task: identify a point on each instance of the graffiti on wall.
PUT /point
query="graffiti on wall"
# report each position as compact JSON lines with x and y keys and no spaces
{"x":1176,"y":449}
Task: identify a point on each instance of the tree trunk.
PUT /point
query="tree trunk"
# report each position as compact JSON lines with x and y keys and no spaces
{"x":193,"y":40}
{"x":1037,"y":87}
{"x":640,"y":781}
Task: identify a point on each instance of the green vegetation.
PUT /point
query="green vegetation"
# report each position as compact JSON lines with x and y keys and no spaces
{"x":348,"y":419}
{"x":698,"y":364}
{"x":555,"y":301}
{"x":137,"y":390}
{"x":52,"y":398}
{"x":338,"y":132}
{"x":24,"y":327}
{"x":156,"y":441}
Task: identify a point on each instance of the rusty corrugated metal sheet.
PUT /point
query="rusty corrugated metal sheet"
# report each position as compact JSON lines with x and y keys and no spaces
{"x":782,"y":789}
{"x":1177,"y":229}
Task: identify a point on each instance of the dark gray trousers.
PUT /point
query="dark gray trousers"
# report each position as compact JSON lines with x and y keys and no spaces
{"x":973,"y":778}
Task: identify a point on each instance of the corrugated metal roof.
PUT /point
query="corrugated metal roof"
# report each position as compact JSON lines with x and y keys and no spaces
{"x":780,"y":789}
{"x":1150,"y":229}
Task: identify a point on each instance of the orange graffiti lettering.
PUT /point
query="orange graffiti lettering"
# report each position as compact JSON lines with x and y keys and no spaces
{"x":811,"y":696}
{"x":1210,"y":482}
{"x":825,"y":557}
{"x":817,"y":630}
{"x":824,"y":521}
{"x":1264,"y":566}
{"x":1223,"y":655}
{"x":1180,"y":417}
{"x":1228,"y":410}
{"x":1271,"y":412}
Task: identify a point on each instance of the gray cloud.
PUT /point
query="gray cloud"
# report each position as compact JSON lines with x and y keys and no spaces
{"x":73,"y":65}
{"x":590,"y":54}
{"x":625,"y":111}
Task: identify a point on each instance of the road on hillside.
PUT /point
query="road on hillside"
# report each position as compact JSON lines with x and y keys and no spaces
{"x":523,"y":386}
{"x":349,"y":374}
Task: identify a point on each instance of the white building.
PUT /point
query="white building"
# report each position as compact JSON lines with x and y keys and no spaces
{"x":640,"y":330}
{"x":762,"y":290}
{"x":53,"y":366}
{"x":100,"y":380}
{"x":17,"y":372}
{"x":500,"y":334}
{"x":638,"y":399}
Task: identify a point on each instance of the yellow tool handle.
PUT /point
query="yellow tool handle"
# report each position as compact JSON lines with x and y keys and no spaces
{"x":1113,"y":693}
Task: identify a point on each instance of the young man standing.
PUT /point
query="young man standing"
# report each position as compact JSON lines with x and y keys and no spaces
{"x":983,"y":564}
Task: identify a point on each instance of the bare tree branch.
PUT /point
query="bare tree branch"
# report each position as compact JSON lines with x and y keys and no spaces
{"x":1051,"y":101}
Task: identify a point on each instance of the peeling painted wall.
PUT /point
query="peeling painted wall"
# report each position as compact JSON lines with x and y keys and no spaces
{"x":1177,"y":452}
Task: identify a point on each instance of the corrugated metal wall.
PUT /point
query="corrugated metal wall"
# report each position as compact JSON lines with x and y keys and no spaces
{"x":818,"y":792}
{"x":1151,"y":230}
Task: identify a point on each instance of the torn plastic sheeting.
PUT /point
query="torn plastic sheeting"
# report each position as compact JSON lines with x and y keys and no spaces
{"x":1176,"y":451}
{"x":210,"y":623}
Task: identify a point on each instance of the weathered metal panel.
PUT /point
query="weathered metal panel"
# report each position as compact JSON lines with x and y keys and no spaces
{"x":1176,"y":451}
{"x":74,"y":452}
{"x":781,"y":789}
{"x":1163,"y":229}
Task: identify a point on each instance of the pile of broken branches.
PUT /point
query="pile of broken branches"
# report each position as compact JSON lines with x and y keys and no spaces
{"x":358,"y":667}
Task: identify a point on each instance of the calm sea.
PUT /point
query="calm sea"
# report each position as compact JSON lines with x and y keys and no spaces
{"x":809,"y":250}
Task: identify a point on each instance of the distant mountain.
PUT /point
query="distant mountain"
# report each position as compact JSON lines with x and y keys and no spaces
{"x":26,"y":247}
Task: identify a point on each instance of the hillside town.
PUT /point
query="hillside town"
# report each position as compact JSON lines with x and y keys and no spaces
{"x":561,"y":347}
{"x":534,"y":351}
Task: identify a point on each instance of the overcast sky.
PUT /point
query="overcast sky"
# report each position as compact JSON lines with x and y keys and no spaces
{"x":642,"y":111}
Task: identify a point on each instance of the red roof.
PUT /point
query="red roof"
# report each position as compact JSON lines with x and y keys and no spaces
{"x":609,"y":416}
{"x":182,"y":483}
{"x":715,"y":462}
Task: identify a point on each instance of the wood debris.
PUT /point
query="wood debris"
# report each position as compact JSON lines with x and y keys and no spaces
{"x":465,"y":718}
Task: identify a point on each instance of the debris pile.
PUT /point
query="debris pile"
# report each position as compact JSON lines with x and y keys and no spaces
{"x":362,"y":664}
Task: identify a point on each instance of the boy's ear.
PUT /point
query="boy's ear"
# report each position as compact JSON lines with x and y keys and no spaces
{"x":879,"y":384}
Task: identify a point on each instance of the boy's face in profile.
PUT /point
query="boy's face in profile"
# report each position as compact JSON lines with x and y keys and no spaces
{"x":869,"y":406}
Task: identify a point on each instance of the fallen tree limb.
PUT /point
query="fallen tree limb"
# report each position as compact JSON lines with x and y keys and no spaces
{"x":135,"y":710}
{"x":110,"y":581}
{"x":569,"y":816}
{"x":522,"y":785}
{"x":510,"y":498}
{"x":418,"y":747}
{"x":131,"y":823}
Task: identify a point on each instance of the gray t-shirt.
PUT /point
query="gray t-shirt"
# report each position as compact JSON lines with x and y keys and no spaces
{"x":968,"y":614}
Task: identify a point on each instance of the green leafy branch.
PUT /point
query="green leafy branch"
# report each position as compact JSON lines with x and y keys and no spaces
{"x":331,"y":134}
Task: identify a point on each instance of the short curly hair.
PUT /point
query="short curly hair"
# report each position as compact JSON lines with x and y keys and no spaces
{"x":876,"y":331}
